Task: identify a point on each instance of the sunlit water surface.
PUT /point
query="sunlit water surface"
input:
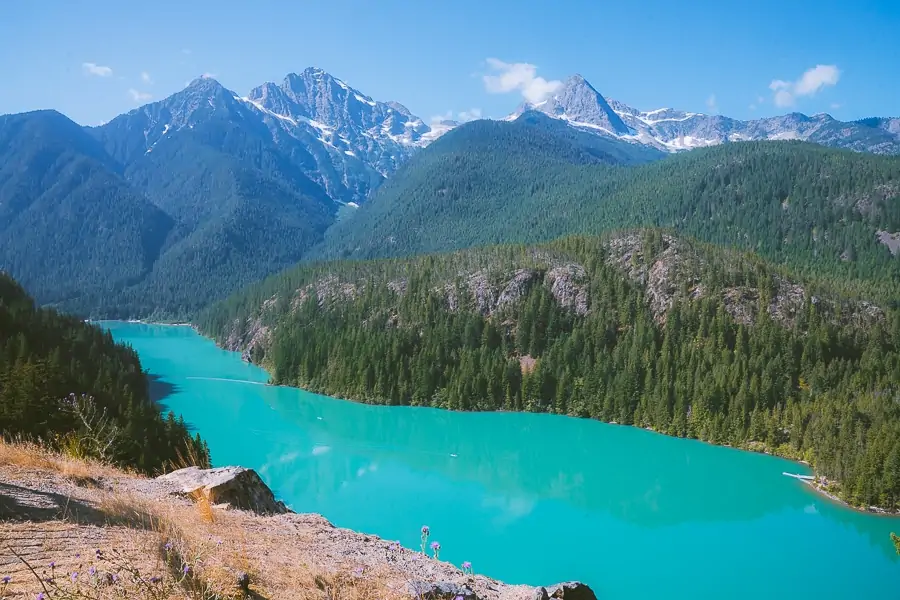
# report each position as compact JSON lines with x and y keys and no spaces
{"x":529,"y":498}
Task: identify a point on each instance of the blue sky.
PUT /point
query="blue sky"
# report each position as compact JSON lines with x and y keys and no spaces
{"x":95,"y":59}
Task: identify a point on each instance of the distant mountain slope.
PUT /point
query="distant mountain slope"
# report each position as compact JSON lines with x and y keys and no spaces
{"x":581,"y":106}
{"x":474,"y":185}
{"x":70,"y":225}
{"x":819,"y":209}
{"x":640,"y":328}
{"x":179,"y":202}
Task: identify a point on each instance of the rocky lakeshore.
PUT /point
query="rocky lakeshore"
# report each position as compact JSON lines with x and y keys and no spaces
{"x":218,"y":533}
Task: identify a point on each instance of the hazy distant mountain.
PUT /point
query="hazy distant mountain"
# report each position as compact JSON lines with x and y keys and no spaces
{"x":581,"y":106}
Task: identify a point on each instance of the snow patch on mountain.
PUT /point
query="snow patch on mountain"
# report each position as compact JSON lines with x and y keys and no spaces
{"x":671,"y":130}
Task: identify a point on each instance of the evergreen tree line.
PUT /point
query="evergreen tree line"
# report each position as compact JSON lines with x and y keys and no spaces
{"x":816,"y":388}
{"x":68,"y":384}
{"x":813,"y":209}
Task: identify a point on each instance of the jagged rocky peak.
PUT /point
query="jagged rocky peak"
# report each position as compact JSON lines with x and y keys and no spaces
{"x":579,"y":103}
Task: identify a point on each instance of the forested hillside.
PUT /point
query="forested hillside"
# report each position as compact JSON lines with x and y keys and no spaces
{"x":827,"y":212}
{"x":70,"y":225}
{"x":90,"y":225}
{"x":642,"y":328}
{"x":67,"y":383}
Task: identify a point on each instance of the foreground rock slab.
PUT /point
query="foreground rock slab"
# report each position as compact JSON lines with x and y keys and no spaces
{"x":235,"y":486}
{"x":570,"y":590}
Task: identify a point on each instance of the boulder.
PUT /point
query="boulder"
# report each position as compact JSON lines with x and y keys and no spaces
{"x":441,"y":590}
{"x":541,"y":594}
{"x":571,"y":590}
{"x":235,"y":486}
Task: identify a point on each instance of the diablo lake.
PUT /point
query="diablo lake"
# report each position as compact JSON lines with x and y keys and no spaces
{"x":528,"y":498}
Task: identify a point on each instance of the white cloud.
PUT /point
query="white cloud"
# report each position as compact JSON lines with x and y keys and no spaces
{"x":835,"y":105}
{"x":752,"y":107}
{"x":447,"y":116}
{"x":90,"y":68}
{"x":811,"y":82}
{"x":207,"y":76}
{"x":521,"y":77}
{"x":465,"y":116}
{"x":139,"y":96}
{"x":473,"y":114}
{"x":145,"y":77}
{"x":711,"y":104}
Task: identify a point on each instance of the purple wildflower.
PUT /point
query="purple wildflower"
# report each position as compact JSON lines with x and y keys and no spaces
{"x":7,"y":579}
{"x":186,"y":569}
{"x":426,"y":531}
{"x":41,"y":596}
{"x":168,"y":546}
{"x":155,"y":579}
{"x":467,"y":565}
{"x":435,"y":546}
{"x":92,"y":571}
{"x":52,"y":565}
{"x":74,"y":576}
{"x":358,"y":571}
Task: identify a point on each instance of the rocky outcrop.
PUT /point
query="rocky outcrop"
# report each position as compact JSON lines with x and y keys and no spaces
{"x":235,"y":486}
{"x":657,"y":274}
{"x":482,"y":292}
{"x":568,"y":284}
{"x":441,"y":590}
{"x":570,"y":590}
{"x":891,"y":240}
{"x":516,"y":288}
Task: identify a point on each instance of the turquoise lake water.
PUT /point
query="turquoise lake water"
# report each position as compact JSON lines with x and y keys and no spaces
{"x":529,"y":498}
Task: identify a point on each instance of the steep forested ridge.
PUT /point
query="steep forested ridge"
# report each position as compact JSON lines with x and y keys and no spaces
{"x":819,"y":210}
{"x":69,"y":384}
{"x":641,"y":328}
{"x":91,"y":225}
{"x":70,"y":225}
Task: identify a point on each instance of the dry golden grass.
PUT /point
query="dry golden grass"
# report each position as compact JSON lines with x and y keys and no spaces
{"x":157,"y":537}
{"x":28,"y":455}
{"x":204,"y":506}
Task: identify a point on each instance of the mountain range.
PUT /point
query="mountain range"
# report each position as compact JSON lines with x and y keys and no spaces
{"x":581,"y":106}
{"x":179,"y":202}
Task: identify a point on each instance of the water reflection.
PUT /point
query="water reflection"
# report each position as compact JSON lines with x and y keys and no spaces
{"x":632,"y":475}
{"x":531,"y":498}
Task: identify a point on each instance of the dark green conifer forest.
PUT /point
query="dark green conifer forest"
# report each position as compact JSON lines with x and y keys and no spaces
{"x":820,"y":384}
{"x":66,"y":383}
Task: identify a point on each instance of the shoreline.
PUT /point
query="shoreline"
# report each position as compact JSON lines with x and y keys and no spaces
{"x":876,"y":511}
{"x":756,"y":448}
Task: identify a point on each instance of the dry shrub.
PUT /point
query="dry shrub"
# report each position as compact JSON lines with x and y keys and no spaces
{"x":32,"y":456}
{"x":204,"y":506}
{"x":347,"y":583}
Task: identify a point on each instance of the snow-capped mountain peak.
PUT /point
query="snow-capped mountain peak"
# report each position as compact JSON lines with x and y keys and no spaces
{"x":582,"y":106}
{"x":579,"y":103}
